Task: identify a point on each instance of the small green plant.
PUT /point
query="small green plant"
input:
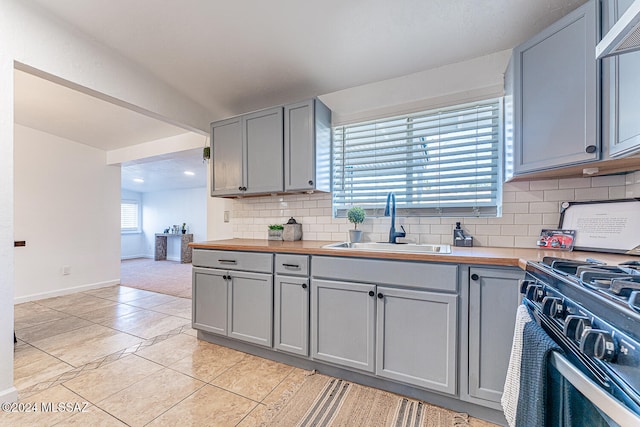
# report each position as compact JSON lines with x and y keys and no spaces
{"x":276,"y":227}
{"x":356,"y":215}
{"x":184,"y":225}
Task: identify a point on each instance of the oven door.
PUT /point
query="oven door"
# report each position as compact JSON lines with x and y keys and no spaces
{"x":575,"y":400}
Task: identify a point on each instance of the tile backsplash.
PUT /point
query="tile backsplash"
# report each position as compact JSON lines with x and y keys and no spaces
{"x":527,"y":207}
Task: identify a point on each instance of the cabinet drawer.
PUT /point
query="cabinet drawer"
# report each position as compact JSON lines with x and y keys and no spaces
{"x":246,"y":261}
{"x":295,"y":265}
{"x":401,"y":273}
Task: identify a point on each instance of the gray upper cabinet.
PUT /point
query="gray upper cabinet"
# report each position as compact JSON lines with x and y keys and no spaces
{"x":307,"y":146}
{"x":227,"y":155}
{"x":416,"y":338}
{"x":556,"y":94}
{"x":493,"y":300}
{"x":270,"y":151}
{"x":343,"y":323}
{"x":247,"y":154}
{"x":262,"y":139}
{"x":620,"y":91}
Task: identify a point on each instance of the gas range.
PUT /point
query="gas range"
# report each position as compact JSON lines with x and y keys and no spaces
{"x":592,"y":311}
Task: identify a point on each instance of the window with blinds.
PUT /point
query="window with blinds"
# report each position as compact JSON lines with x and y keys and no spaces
{"x":129,"y":216}
{"x":443,"y":162}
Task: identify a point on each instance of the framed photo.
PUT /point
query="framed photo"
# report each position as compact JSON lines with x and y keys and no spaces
{"x":561,"y":240}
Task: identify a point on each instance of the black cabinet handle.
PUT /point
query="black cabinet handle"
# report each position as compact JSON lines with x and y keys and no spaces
{"x":227,"y":261}
{"x":310,"y":182}
{"x":380,"y":295}
{"x":304,"y":286}
{"x":371,"y":293}
{"x":291,"y":265}
{"x":240,"y":188}
{"x":474,"y":277}
{"x":590,"y":149}
{"x":225,"y":277}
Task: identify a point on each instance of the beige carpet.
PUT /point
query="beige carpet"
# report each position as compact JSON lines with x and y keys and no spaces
{"x":165,"y":277}
{"x":326,"y":401}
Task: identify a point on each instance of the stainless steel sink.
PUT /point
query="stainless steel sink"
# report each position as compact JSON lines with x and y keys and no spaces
{"x":392,"y":247}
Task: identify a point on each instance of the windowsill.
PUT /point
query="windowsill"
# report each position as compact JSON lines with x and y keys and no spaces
{"x":131,"y":232}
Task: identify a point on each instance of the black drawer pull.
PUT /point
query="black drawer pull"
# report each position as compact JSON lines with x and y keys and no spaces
{"x":371,"y":293}
{"x":291,"y":266}
{"x":227,"y":261}
{"x":474,"y":277}
{"x":304,"y":286}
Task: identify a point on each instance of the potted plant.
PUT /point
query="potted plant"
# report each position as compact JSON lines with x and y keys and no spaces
{"x":184,"y":228}
{"x":275,"y":232}
{"x":356,"y":215}
{"x":206,"y":153}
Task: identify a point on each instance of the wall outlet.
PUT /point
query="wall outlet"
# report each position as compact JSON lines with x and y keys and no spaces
{"x":226,"y":216}
{"x":66,"y":270}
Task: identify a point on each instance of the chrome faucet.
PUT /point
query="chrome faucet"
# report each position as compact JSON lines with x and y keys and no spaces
{"x":391,"y":206}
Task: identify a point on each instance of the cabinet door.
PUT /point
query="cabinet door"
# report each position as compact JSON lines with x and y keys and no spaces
{"x":227,"y":155}
{"x":250,"y":315}
{"x":416,"y":338}
{"x":493,"y":301}
{"x":291,"y":314}
{"x":343,"y":323}
{"x":299,"y":146}
{"x":210,"y":299}
{"x":263,"y":144}
{"x":556,"y":95}
{"x":621,"y":91}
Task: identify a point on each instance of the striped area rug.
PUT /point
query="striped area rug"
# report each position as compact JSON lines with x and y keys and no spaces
{"x":326,"y":401}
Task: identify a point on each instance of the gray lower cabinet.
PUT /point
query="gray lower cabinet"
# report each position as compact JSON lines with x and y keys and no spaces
{"x":250,"y":315}
{"x":210,"y":295}
{"x":556,"y":94}
{"x":291,"y":314}
{"x":620,"y":91}
{"x":493,"y":300}
{"x":416,"y":338}
{"x":343,"y":323}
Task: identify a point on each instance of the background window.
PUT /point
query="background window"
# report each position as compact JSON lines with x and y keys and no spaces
{"x":129,"y":216}
{"x":438,"y":163}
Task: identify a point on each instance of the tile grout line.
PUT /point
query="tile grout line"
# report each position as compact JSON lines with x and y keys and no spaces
{"x":73,"y":373}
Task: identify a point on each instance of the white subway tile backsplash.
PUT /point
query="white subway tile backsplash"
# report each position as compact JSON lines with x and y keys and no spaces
{"x":528,"y":206}
{"x":529,"y":196}
{"x":548,"y":184}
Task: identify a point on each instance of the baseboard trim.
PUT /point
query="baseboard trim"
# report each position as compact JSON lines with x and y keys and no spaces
{"x":65,"y":291}
{"x":134,"y":256}
{"x":9,"y":395}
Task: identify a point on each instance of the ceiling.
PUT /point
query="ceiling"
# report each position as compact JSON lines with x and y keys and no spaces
{"x":235,"y":57}
{"x":165,"y":172}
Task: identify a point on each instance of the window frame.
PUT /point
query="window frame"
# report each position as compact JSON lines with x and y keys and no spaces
{"x":138,"y":228}
{"x":494,"y":209}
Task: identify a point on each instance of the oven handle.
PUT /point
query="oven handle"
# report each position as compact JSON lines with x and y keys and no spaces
{"x":607,"y":404}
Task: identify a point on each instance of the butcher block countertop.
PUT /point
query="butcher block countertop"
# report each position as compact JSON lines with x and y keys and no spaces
{"x":514,"y":257}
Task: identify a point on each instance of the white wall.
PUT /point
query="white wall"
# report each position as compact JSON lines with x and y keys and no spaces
{"x":163,"y":209}
{"x":67,"y":208}
{"x":7,"y":392}
{"x":132,"y":244}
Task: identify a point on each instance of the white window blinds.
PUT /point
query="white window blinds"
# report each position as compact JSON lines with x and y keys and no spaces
{"x":443,"y":162}
{"x":129,"y":218}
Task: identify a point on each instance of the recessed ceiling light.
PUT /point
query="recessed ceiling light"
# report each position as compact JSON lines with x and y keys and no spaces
{"x":189,"y":173}
{"x":138,"y":180}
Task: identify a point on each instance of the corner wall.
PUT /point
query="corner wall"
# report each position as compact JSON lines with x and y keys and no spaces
{"x":66,"y":206}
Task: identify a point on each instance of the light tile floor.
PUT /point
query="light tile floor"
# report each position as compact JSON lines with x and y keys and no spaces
{"x":120,"y":356}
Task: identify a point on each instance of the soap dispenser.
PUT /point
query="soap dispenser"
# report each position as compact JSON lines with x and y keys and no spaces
{"x":459,"y":238}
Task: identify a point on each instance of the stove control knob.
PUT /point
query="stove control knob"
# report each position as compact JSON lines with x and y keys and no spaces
{"x":524,"y":284}
{"x":552,"y":306}
{"x":535,"y":293}
{"x":598,"y":343}
{"x":574,"y":326}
